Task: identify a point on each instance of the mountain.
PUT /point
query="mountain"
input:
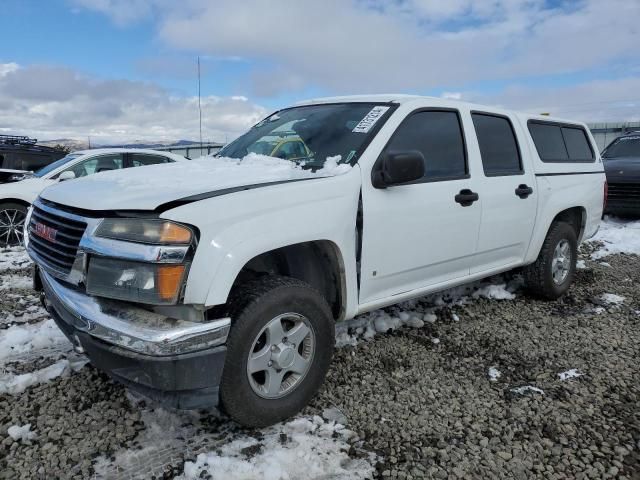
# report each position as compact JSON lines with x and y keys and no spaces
{"x":70,"y":143}
{"x":74,"y":144}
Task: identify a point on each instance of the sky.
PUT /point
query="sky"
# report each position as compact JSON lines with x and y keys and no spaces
{"x":126,"y":70}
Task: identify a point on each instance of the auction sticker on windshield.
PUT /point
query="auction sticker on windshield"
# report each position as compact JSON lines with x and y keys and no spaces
{"x":370,"y":119}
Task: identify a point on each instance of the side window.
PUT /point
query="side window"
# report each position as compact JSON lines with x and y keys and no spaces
{"x":498,"y":145}
{"x":101,"y":163}
{"x":577,"y":144}
{"x":142,"y":159}
{"x":560,"y":143}
{"x":438,"y":136}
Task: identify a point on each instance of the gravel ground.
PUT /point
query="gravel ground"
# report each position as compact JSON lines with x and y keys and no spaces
{"x":475,"y":394}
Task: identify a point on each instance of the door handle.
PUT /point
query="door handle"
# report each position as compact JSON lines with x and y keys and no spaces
{"x":523,"y":191}
{"x":466,"y":197}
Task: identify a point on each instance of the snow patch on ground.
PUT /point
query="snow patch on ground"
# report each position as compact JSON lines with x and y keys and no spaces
{"x":205,"y":444}
{"x":527,"y":389}
{"x":581,"y":265}
{"x":20,"y":433}
{"x":20,"y":339}
{"x":13,"y":258}
{"x":494,"y":374}
{"x":418,"y":312}
{"x":13,"y":281}
{"x":14,"y":384}
{"x":612,"y":299}
{"x":497,"y":292}
{"x":302,"y":448}
{"x":617,"y":236}
{"x":573,"y":373}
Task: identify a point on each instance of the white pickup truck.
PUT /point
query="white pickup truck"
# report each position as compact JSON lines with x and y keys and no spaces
{"x":222,"y":279}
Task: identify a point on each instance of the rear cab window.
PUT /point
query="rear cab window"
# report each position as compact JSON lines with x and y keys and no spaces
{"x":561,"y":143}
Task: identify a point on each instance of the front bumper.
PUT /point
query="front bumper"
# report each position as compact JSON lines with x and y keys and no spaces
{"x":624,"y":207}
{"x":175,"y":362}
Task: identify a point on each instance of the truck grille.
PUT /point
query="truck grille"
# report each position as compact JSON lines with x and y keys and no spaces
{"x":55,"y":238}
{"x":624,"y":190}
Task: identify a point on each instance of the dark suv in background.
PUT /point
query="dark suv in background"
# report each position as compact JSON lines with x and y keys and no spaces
{"x":19,"y":153}
{"x":622,"y":166}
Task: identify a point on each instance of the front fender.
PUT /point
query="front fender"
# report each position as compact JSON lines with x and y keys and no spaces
{"x":237,"y":227}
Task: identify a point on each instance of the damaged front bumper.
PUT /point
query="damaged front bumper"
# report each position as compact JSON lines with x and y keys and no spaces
{"x":176,"y":362}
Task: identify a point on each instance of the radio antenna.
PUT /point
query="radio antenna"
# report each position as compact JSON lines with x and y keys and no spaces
{"x":199,"y":106}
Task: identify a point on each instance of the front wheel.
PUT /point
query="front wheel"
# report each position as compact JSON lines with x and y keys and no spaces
{"x":12,"y":217}
{"x":278,"y":350}
{"x":552,"y":273}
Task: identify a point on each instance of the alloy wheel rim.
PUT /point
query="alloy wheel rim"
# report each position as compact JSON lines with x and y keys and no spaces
{"x":11,"y":226}
{"x":281,"y":355}
{"x":561,"y":263}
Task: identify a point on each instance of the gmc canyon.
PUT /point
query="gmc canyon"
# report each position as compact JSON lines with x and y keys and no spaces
{"x":220,"y":280}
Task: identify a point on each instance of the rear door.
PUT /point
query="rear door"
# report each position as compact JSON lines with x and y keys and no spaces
{"x":508,"y":192}
{"x":423,"y":233}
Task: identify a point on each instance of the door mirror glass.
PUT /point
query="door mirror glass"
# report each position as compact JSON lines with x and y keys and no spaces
{"x":66,"y":175}
{"x":398,"y":168}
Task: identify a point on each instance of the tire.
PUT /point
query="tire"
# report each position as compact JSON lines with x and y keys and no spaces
{"x":539,"y":276}
{"x":11,"y":215}
{"x":253,"y":309}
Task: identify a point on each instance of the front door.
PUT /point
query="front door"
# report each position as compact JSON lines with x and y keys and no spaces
{"x":423,"y":233}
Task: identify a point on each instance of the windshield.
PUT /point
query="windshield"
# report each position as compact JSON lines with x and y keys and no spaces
{"x":623,"y":147}
{"x":309,"y":135}
{"x":58,"y":163}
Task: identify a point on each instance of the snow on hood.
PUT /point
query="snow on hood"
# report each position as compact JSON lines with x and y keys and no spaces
{"x":145,"y":188}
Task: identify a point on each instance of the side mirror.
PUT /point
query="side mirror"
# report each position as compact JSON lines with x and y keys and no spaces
{"x":66,"y":175}
{"x":398,"y":167}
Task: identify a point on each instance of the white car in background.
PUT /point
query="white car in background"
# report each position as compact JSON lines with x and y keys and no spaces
{"x":15,"y":197}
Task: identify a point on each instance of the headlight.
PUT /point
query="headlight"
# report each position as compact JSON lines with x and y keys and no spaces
{"x":134,"y":281}
{"x":140,"y":230}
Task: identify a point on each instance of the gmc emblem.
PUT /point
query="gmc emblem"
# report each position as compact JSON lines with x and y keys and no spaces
{"x":45,"y":231}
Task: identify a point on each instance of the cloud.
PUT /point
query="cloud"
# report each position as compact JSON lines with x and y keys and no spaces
{"x":594,"y":101}
{"x":122,"y":12}
{"x":6,"y":68}
{"x":372,"y":46}
{"x":68,"y":104}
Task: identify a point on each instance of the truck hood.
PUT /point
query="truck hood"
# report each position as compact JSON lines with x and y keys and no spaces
{"x":159,"y":186}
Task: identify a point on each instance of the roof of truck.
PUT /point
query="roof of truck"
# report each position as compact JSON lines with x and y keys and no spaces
{"x":400,"y":98}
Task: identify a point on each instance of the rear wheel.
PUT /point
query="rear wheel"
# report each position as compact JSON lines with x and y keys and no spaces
{"x":12,"y":217}
{"x":278,"y":351}
{"x":552,"y":273}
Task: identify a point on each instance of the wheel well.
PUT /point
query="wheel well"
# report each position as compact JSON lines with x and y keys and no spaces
{"x":317,"y":263}
{"x":576,"y":217}
{"x":15,"y":200}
